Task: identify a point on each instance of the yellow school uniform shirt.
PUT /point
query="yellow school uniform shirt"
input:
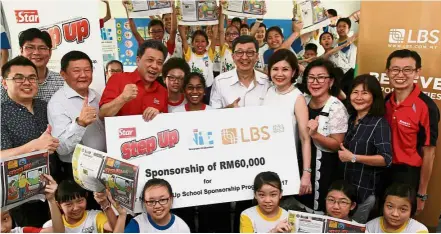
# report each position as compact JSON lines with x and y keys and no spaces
{"x":411,"y":226}
{"x":202,"y":64}
{"x":92,"y":222}
{"x":252,"y":220}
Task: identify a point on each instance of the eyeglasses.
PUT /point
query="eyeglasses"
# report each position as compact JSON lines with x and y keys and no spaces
{"x":175,"y":78}
{"x":197,"y":88}
{"x":19,"y":79}
{"x":406,"y":71}
{"x":231,"y":34}
{"x":156,"y":32}
{"x":30,"y":49}
{"x":241,"y":53}
{"x":162,"y":202}
{"x":341,"y":203}
{"x":320,"y":79}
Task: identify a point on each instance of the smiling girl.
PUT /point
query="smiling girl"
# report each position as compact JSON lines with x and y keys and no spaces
{"x":267,"y":216}
{"x":194,"y":90}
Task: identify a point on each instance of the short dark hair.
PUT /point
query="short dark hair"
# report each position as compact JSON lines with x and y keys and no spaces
{"x":244,"y":26}
{"x":245,"y":39}
{"x":403,"y":191}
{"x":236,"y":19}
{"x":175,"y":63}
{"x":284,"y":55}
{"x":199,"y":33}
{"x":74,"y":55}
{"x":274,"y":28}
{"x":152,"y":44}
{"x":192,"y":75}
{"x":332,"y":12}
{"x":323,"y":34}
{"x":112,"y":62}
{"x":311,"y":46}
{"x":260,"y":25}
{"x":404,"y":54}
{"x":69,"y":190}
{"x":347,"y":189}
{"x":370,"y":84}
{"x":269,"y":178}
{"x":156,"y":182}
{"x":33,"y":33}
{"x":17,"y":61}
{"x":155,"y":22}
{"x":334,"y":72}
{"x":345,"y":20}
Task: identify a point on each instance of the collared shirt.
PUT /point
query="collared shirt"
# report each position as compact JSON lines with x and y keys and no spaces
{"x":62,"y":110}
{"x":53,"y":82}
{"x":18,"y":125}
{"x":227,"y":88}
{"x":155,"y":96}
{"x":371,"y":136}
{"x":414,"y":124}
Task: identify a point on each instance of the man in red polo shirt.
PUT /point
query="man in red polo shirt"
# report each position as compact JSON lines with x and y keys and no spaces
{"x":138,"y":92}
{"x":413,"y":118}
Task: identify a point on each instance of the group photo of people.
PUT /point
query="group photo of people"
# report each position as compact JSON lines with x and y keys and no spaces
{"x":363,"y":156}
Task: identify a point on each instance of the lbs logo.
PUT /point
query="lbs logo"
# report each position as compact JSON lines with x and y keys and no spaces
{"x":399,"y":36}
{"x":27,"y":16}
{"x":231,"y":135}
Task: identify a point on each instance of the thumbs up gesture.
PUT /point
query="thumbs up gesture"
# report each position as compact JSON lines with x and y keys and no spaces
{"x":344,"y":154}
{"x":46,"y":141}
{"x":235,"y":104}
{"x":87,"y":114}
{"x":313,"y":126}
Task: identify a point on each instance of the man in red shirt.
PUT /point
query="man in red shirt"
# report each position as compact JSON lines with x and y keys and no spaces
{"x":413,"y":118}
{"x":138,"y":92}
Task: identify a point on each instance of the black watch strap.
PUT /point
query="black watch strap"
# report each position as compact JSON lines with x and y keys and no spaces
{"x":423,"y":197}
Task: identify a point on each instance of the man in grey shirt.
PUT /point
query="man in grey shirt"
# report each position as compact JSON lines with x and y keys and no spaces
{"x":36,"y":45}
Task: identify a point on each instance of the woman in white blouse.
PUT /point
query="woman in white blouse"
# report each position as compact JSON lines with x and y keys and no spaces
{"x":283,"y":70}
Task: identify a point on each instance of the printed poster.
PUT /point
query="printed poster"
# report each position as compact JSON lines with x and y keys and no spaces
{"x":197,"y":12}
{"x":22,"y":179}
{"x":206,"y":163}
{"x":312,"y":13}
{"x":72,"y":26}
{"x":245,"y":8}
{"x":312,"y":223}
{"x":96,"y":171}
{"x":109,"y":42}
{"x":144,"y":8}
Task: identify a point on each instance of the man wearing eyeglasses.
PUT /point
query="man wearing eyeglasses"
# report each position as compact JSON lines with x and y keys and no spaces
{"x":413,"y":118}
{"x":36,"y":45}
{"x":24,"y":128}
{"x":242,"y":86}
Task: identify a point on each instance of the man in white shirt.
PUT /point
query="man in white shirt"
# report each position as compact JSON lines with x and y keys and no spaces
{"x":242,"y":86}
{"x":72,"y":111}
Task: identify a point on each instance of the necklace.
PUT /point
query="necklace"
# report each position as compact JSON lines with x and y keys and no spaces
{"x":291,"y":88}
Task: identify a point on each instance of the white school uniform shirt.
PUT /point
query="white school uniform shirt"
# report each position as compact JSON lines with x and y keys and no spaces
{"x":411,"y":226}
{"x":176,"y":225}
{"x":346,"y":60}
{"x":173,"y":106}
{"x":62,"y":110}
{"x":226,"y":58}
{"x":253,"y":217}
{"x":202,"y":64}
{"x":184,"y":108}
{"x":177,"y":53}
{"x":260,"y":64}
{"x":227,"y":88}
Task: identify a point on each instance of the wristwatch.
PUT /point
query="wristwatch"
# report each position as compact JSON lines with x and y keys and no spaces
{"x":354,"y":158}
{"x":308,"y":170}
{"x":422,"y":197}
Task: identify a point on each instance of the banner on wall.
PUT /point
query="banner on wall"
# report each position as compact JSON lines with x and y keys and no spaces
{"x":208,"y":163}
{"x":126,"y":41}
{"x":143,"y":8}
{"x":71,"y":26}
{"x":312,"y":13}
{"x":244,"y":8}
{"x":109,"y":42}
{"x":197,"y":12}
{"x":421,"y":32}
